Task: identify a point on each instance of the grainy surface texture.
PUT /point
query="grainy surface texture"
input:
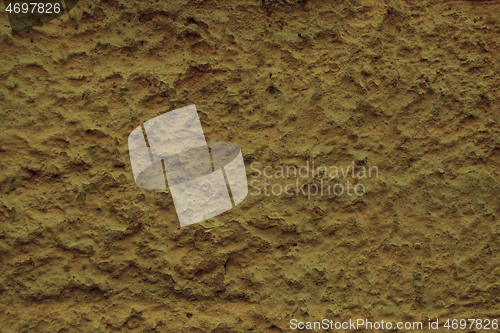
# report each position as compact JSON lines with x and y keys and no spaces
{"x":411,"y":87}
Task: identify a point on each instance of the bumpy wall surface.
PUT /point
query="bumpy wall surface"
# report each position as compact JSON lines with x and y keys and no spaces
{"x":411,"y":87}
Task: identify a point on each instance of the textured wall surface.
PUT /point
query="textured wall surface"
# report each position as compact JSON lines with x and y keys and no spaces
{"x":411,"y":87}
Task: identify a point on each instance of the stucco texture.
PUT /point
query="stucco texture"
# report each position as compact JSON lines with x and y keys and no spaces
{"x":411,"y":87}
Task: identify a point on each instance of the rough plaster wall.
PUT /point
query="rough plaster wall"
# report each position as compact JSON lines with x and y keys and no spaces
{"x":408,"y":86}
